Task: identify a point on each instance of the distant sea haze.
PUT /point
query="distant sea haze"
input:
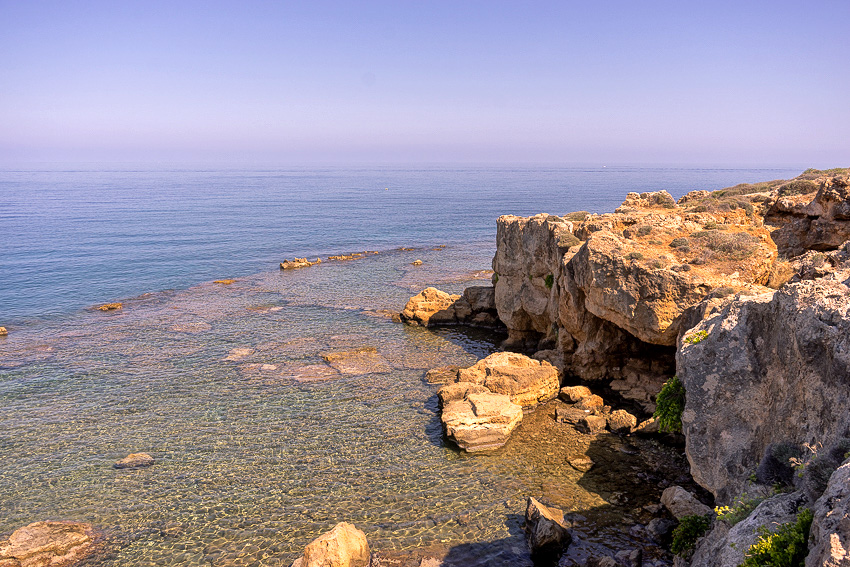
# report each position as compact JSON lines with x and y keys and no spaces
{"x":77,"y":236}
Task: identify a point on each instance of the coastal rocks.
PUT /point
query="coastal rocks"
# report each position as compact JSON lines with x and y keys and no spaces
{"x":110,"y":306}
{"x":546,"y":531}
{"x":477,"y":419}
{"x":365,"y":360}
{"x":224,"y":282}
{"x":298,"y":263}
{"x":766,"y":369}
{"x":574,"y":394}
{"x":427,"y":304}
{"x":528,"y":382}
{"x":343,"y":546}
{"x":239,"y":353}
{"x":442,"y":375}
{"x":680,"y":503}
{"x":134,"y":461}
{"x":621,"y":421}
{"x":433,"y":308}
{"x":53,"y":544}
{"x":830,"y":531}
{"x":3,"y":332}
{"x":725,"y":546}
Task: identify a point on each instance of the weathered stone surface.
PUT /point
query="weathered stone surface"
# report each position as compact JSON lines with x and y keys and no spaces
{"x":53,"y":544}
{"x":725,"y":547}
{"x":830,"y":536}
{"x":621,"y":421}
{"x":458,"y":391}
{"x":574,"y":394}
{"x":581,"y":464}
{"x":343,"y":546}
{"x":110,"y":306}
{"x":365,"y":360}
{"x":766,"y":369}
{"x":545,"y":530}
{"x":442,"y":375}
{"x":134,"y":461}
{"x":680,"y":503}
{"x":593,"y":423}
{"x":480,"y":421}
{"x":239,"y":353}
{"x":591,"y":403}
{"x":427,"y":304}
{"x":527,"y":381}
{"x":3,"y":332}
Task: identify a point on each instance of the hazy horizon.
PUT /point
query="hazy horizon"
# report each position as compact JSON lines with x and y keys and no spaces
{"x":613,"y":83}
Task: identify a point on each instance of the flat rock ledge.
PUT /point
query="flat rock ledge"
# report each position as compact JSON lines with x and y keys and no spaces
{"x":343,"y":546}
{"x":54,"y":544}
{"x":475,"y":418}
{"x":528,"y":382}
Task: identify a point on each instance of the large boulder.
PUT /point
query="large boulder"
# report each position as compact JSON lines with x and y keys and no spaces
{"x":545,"y":530}
{"x":830,"y":536}
{"x":528,"y":382}
{"x":680,"y":503}
{"x":430,"y":303}
{"x":343,"y":546}
{"x":53,"y":544}
{"x":767,"y":369}
{"x":479,"y":420}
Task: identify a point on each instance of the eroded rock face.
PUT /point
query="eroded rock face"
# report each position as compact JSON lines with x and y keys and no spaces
{"x":771,"y":368}
{"x":830,"y":535}
{"x":528,"y":382}
{"x":434,"y":308}
{"x":477,"y":419}
{"x":680,"y":503}
{"x":343,"y":546}
{"x":427,"y":304}
{"x":54,"y":544}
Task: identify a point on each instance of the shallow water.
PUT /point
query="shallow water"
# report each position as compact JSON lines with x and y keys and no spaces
{"x":261,"y":445}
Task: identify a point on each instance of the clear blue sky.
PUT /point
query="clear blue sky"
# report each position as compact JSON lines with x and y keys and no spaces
{"x":748,"y":83}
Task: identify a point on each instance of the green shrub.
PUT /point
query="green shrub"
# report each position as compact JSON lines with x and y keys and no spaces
{"x":495,"y":278}
{"x":669,"y":405}
{"x":634,"y":256}
{"x":644,"y":230}
{"x":576,"y":216}
{"x":726,"y":245}
{"x":568,"y":240}
{"x":680,"y":242}
{"x":786,"y":547}
{"x":689,"y":530}
{"x":549,"y":280}
{"x":696,"y":337}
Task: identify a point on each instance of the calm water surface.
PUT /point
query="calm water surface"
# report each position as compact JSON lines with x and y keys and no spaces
{"x":261,"y":445}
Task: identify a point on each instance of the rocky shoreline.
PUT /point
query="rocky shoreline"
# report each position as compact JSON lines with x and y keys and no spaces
{"x":740,"y":298}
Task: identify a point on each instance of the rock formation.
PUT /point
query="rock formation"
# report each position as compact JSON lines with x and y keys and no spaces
{"x":298,"y":263}
{"x":831,"y":523}
{"x":343,"y":546}
{"x":528,"y":382}
{"x":434,"y":308}
{"x":545,"y":530}
{"x":477,"y":419}
{"x":54,"y":544}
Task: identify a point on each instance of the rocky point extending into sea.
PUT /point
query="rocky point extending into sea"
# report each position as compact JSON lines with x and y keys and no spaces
{"x":718,"y":323}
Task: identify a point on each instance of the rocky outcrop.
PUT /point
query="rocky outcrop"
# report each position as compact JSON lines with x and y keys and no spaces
{"x":3,"y":332}
{"x":434,"y":308}
{"x":298,"y":263}
{"x":830,"y":533}
{"x":343,"y":546}
{"x":545,"y":530}
{"x":767,"y":369}
{"x":134,"y":461}
{"x":475,"y":418}
{"x":54,"y":544}
{"x":725,"y":546}
{"x":528,"y":382}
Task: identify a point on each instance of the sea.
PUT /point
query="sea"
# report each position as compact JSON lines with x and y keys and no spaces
{"x":262,"y":439}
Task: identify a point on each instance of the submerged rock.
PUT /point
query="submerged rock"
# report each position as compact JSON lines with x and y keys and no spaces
{"x":545,"y":530}
{"x":134,"y":461}
{"x":365,"y":360}
{"x":343,"y":546}
{"x":477,"y":419}
{"x":528,"y":382}
{"x":53,"y":544}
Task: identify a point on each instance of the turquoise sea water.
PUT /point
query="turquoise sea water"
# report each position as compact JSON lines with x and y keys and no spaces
{"x":261,"y":444}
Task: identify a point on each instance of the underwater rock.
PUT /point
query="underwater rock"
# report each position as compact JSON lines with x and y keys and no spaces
{"x":343,"y":546}
{"x":134,"y":461}
{"x":365,"y":360}
{"x":53,"y":544}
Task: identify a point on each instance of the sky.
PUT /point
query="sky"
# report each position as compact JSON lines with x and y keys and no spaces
{"x":745,"y":83}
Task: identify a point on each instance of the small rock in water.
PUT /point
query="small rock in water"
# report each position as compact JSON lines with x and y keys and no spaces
{"x":224,"y":282}
{"x":581,"y":464}
{"x":57,"y":544}
{"x":417,"y":262}
{"x":546,"y":531}
{"x":239,"y":353}
{"x":134,"y":461}
{"x":593,"y":423}
{"x":3,"y":332}
{"x":111,"y":306}
{"x":442,"y":375}
{"x":621,"y":421}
